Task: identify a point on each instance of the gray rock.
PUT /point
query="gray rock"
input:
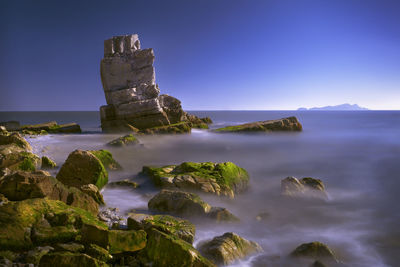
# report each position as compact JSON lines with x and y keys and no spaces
{"x":128,"y":79}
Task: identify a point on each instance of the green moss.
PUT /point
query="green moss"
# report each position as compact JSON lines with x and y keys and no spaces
{"x":106,"y":159}
{"x":129,"y":139}
{"x":47,"y":163}
{"x":16,"y":218}
{"x":172,"y":225}
{"x":226,"y":174}
{"x":123,"y":240}
{"x":27,"y":165}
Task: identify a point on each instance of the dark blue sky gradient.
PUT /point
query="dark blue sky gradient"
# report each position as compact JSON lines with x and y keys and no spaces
{"x":211,"y":54}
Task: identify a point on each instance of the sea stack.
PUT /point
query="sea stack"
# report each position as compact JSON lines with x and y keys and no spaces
{"x":130,"y":88}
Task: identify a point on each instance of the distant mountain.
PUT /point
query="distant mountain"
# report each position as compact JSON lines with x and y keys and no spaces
{"x":338,"y":107}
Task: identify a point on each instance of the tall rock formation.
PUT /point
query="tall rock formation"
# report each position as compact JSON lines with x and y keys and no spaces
{"x":132,"y":95}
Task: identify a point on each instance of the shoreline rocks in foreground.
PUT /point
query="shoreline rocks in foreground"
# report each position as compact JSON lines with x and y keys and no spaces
{"x":217,"y":178}
{"x":290,"y":124}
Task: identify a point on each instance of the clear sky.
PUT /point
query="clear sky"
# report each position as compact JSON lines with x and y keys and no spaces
{"x":210,"y":54}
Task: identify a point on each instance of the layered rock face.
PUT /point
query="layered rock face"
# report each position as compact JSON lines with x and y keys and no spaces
{"x":131,"y":92}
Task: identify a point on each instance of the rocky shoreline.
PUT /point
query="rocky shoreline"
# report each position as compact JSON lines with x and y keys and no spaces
{"x":59,"y":220}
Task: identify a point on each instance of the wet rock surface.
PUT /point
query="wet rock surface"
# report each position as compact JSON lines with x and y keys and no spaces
{"x":305,"y":187}
{"x":217,"y":178}
{"x":286,"y":124}
{"x":228,"y":248}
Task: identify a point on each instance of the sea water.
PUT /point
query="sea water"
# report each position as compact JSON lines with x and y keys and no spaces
{"x":355,"y":153}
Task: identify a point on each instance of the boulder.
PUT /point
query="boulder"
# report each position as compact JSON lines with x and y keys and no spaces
{"x":167,"y":250}
{"x":71,"y":247}
{"x":93,"y":192}
{"x":116,"y":241}
{"x":220,"y":214}
{"x":226,"y":249}
{"x":16,"y":139}
{"x":188,"y":205}
{"x":40,"y":221}
{"x":125,"y":140}
{"x":15,"y":158}
{"x":216,"y":178}
{"x":124,"y":183}
{"x":305,"y":187}
{"x":107,"y":159}
{"x":3,"y":130}
{"x":47,"y":163}
{"x":82,"y":168}
{"x":67,"y":259}
{"x":180,"y":228}
{"x":98,"y":252}
{"x":131,"y":93}
{"x":22,"y":185}
{"x":34,"y":255}
{"x":314,"y":250}
{"x":179,"y":203}
{"x":286,"y":124}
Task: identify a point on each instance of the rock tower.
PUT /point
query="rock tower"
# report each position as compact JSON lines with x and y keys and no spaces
{"x":130,"y":88}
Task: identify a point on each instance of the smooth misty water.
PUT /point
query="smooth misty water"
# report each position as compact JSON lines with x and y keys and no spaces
{"x":356,"y":154}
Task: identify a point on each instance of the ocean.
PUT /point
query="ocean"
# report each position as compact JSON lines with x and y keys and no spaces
{"x":355,"y":153}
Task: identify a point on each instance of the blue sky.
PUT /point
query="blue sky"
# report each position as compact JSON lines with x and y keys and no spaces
{"x":210,"y":54}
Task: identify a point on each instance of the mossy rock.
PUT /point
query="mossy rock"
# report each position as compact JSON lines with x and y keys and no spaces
{"x":71,"y":247}
{"x":116,"y":241}
{"x":34,"y":255}
{"x":16,"y":139}
{"x":178,"y":227}
{"x":124,"y":183}
{"x":81,"y":168}
{"x":286,"y":124}
{"x":22,"y":185}
{"x":14,"y":159}
{"x":217,"y":178}
{"x":315,"y":250}
{"x":68,"y":259}
{"x":126,"y":140}
{"x":98,"y":252}
{"x":18,"y":218}
{"x":179,"y":203}
{"x":47,"y":163}
{"x":176,"y":128}
{"x":107,"y":159}
{"x":228,"y":248}
{"x":168,"y":250}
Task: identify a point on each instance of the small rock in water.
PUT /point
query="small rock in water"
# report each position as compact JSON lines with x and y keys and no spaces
{"x":314,"y":250}
{"x":306,"y":187}
{"x":228,"y":248}
{"x":124,"y":182}
{"x":125,"y":140}
{"x":47,"y":163}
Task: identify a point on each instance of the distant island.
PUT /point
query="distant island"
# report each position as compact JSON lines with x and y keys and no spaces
{"x":337,"y":107}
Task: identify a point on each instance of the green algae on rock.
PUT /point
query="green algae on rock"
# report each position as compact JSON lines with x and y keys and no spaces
{"x":15,"y":138}
{"x":126,"y":140}
{"x":217,"y":178}
{"x":106,"y":158}
{"x":83,"y":167}
{"x":179,"y":203}
{"x":188,"y":205}
{"x":178,"y":227}
{"x":286,"y":124}
{"x":116,"y":241}
{"x":124,"y":183}
{"x":176,"y":128}
{"x":22,"y":185}
{"x":228,"y":248}
{"x":47,"y":163}
{"x":68,"y":259}
{"x":18,"y":220}
{"x":168,"y":250}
